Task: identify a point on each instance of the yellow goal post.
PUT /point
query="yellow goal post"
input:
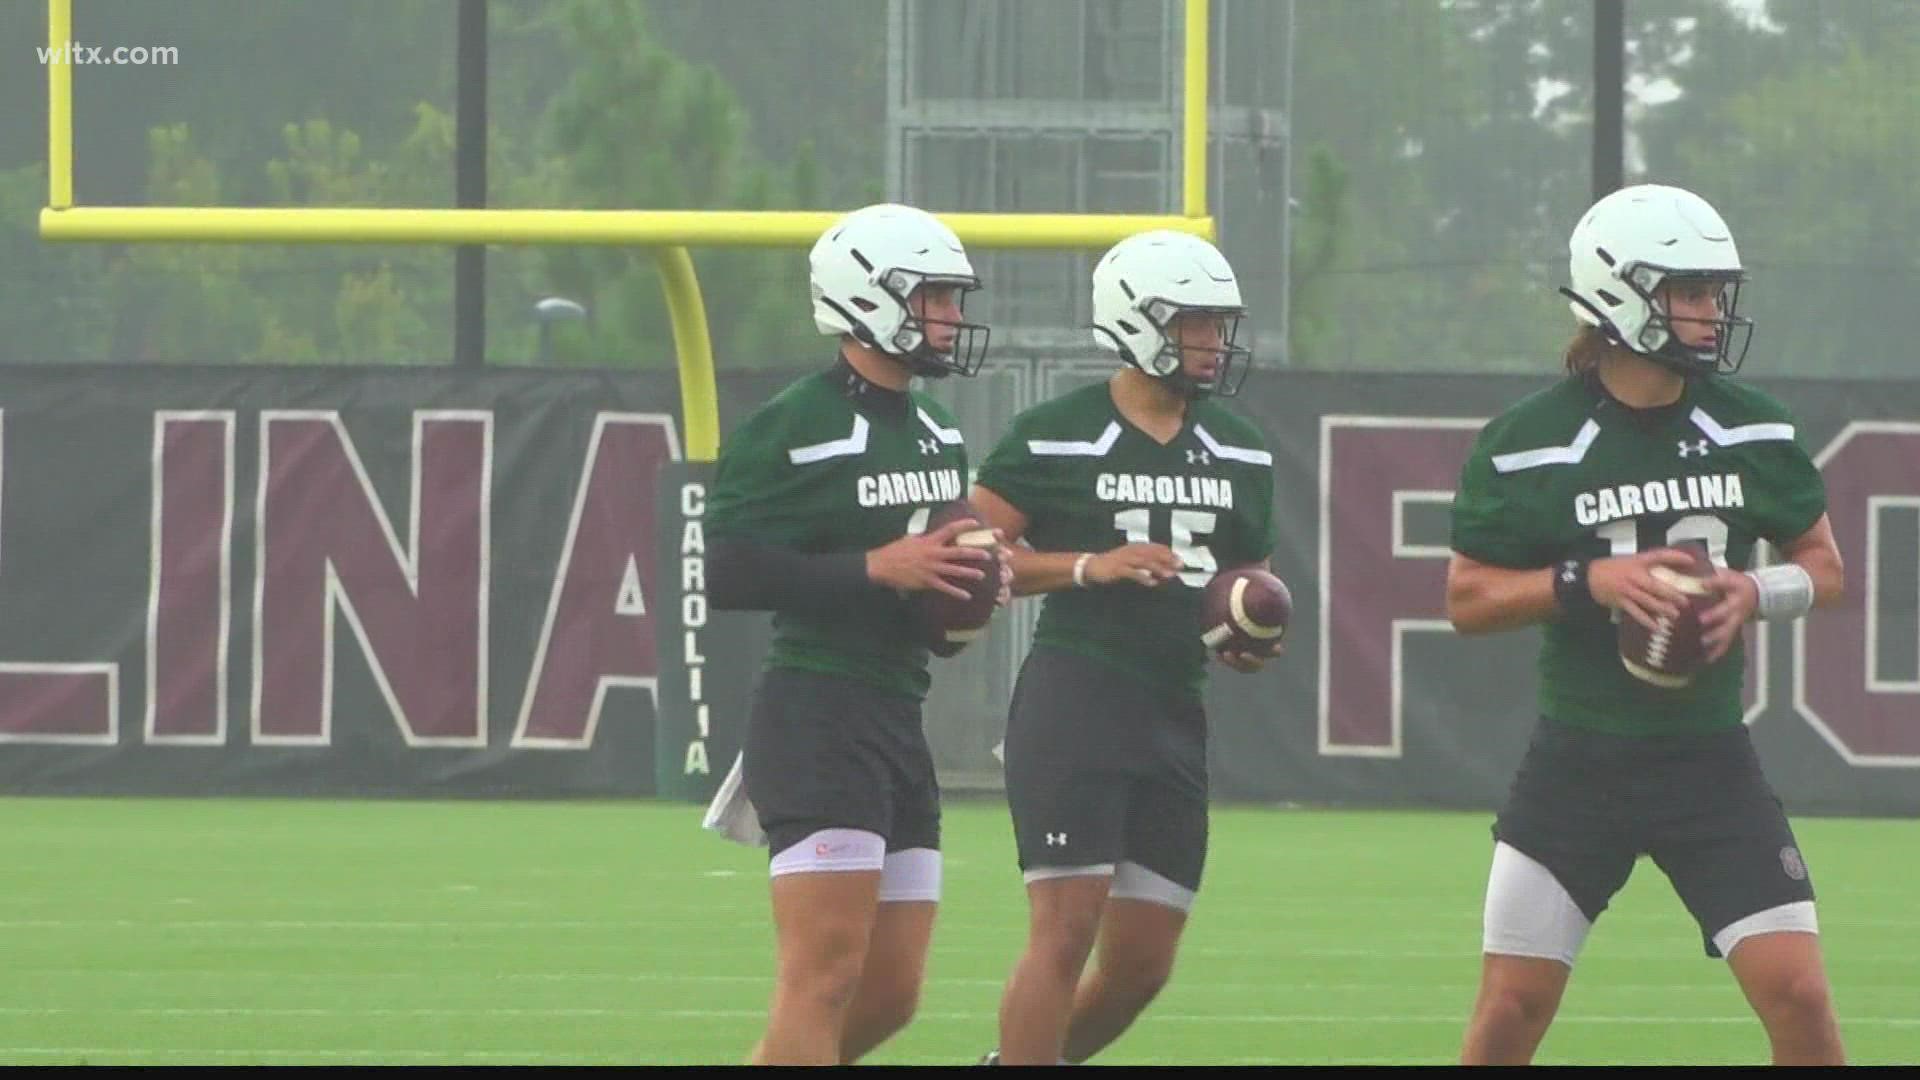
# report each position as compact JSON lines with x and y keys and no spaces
{"x":668,"y":232}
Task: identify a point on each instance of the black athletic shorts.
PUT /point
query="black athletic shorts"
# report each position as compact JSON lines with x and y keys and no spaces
{"x":1587,"y":804}
{"x":829,"y":752}
{"x":1103,"y":768}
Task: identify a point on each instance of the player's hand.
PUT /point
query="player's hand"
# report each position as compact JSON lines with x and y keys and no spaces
{"x":1248,"y":663}
{"x":1626,"y":583}
{"x":1137,"y":564}
{"x":930,"y":560}
{"x":1721,"y":623}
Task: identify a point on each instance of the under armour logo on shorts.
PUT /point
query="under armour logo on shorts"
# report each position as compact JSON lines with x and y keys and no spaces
{"x":1056,"y":839}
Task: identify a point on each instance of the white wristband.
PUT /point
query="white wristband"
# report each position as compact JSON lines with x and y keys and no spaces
{"x":1786,"y":592}
{"x":1080,"y":569}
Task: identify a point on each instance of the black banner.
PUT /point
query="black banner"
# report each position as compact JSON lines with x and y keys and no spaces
{"x":294,"y":580}
{"x":449,"y":582}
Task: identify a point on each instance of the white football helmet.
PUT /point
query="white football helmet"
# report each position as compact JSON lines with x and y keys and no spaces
{"x":863,"y":270}
{"x":1143,"y":282}
{"x":1630,"y":242}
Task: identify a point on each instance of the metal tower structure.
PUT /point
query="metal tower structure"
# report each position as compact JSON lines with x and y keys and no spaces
{"x":1004,"y":106}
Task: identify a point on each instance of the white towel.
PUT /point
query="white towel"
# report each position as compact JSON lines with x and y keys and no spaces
{"x":731,"y":813}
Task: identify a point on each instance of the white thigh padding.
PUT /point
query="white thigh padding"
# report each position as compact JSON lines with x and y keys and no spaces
{"x":1528,"y":911}
{"x":913,"y":874}
{"x":830,"y":851}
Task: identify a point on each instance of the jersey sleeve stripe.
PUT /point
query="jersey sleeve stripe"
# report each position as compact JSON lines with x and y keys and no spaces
{"x":1570,"y":454}
{"x":1097,"y":448}
{"x":950,"y":436}
{"x":856,"y":443}
{"x":1745,"y":433}
{"x":1232,"y":453}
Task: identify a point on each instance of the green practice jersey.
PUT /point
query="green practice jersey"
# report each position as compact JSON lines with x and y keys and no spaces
{"x":1571,"y":473}
{"x":1088,"y":480}
{"x":834,"y":464}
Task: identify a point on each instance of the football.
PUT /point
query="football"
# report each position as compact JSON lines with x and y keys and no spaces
{"x":947,"y":623}
{"x":1670,"y":655}
{"x":1245,"y":610}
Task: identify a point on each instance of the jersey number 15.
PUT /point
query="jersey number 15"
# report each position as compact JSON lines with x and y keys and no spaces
{"x":1183,"y":526}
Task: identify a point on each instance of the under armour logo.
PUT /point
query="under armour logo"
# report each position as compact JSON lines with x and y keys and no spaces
{"x":1567,"y":575}
{"x":929,"y":446}
{"x":1693,"y":449}
{"x":1056,"y":839}
{"x":1199,"y":457}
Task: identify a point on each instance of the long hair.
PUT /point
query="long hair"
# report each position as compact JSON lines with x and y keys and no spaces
{"x":1586,"y":349}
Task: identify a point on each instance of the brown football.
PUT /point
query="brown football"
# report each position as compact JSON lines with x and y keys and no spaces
{"x":1670,"y":655}
{"x":947,"y":623}
{"x":1245,"y":610}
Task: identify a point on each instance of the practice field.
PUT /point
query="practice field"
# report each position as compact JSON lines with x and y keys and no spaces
{"x":287,"y":932}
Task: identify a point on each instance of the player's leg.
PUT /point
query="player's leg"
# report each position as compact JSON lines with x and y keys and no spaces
{"x":822,"y":922}
{"x":1785,"y":981}
{"x":1138,"y":940}
{"x":1069,"y":819}
{"x":1557,"y":861}
{"x":1532,"y":933}
{"x":909,"y":896}
{"x":823,"y":800}
{"x":889,"y":990}
{"x":1736,"y":865}
{"x":1063,"y":923}
{"x":1153,"y":892}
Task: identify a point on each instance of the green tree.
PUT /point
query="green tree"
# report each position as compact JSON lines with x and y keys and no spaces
{"x":634,"y":126}
{"x":1797,"y":126}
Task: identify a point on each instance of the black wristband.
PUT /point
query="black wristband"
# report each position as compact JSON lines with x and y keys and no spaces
{"x":1570,"y":587}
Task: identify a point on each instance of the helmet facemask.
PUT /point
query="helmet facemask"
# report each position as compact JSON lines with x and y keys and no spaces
{"x":909,"y":343}
{"x":1658,"y":340}
{"x":1169,"y":364}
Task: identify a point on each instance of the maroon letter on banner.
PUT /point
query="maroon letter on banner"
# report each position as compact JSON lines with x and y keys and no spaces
{"x":1868,"y":720}
{"x":189,"y":607}
{"x":58,"y":702}
{"x":599,"y":631}
{"x":1370,"y":468}
{"x":325,"y":545}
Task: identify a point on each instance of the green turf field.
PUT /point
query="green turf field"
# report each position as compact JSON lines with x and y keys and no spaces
{"x":285,"y":932}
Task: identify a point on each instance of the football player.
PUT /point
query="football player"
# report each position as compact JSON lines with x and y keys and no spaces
{"x":1567,"y":503}
{"x":1128,"y":494}
{"x":817,"y":514}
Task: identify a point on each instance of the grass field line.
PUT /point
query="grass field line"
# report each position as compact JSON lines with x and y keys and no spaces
{"x":749,"y":1014}
{"x":371,"y":1055}
{"x":1465,"y":926}
{"x":1326,"y":1018}
{"x":1715,"y":985}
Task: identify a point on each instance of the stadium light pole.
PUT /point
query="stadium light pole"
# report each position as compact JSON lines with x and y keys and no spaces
{"x":549,"y":311}
{"x":1609,"y":97}
{"x":470,"y":182}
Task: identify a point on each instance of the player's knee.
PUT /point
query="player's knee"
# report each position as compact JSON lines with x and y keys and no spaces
{"x":1064,"y":938}
{"x":1141,"y":984}
{"x":827,"y":970}
{"x":1801,"y":999}
{"x":1138,"y":973}
{"x":1516,"y":1005}
{"x":891,"y":1009}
